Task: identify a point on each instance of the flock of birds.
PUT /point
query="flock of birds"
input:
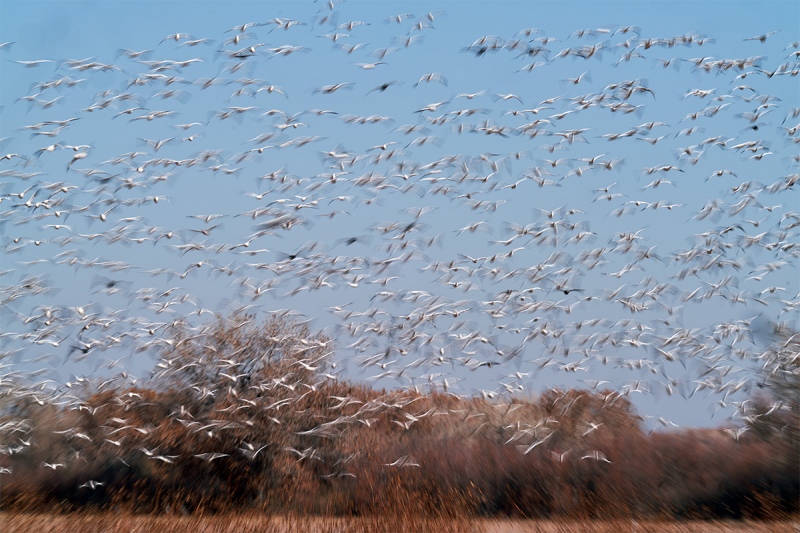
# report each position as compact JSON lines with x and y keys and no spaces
{"x":534,"y":251}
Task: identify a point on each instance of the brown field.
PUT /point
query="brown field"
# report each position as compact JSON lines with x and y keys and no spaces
{"x":111,"y":523}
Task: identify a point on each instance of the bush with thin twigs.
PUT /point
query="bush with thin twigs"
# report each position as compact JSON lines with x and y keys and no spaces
{"x":247,"y":417}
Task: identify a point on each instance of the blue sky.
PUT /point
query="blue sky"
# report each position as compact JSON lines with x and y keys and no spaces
{"x":466,"y":206}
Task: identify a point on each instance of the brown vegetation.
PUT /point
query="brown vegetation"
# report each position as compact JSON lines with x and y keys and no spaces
{"x":243,"y":418}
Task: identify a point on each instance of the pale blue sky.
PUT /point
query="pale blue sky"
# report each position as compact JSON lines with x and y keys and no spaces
{"x":443,"y":43}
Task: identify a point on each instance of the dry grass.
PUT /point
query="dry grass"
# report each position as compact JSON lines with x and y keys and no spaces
{"x":245,"y":523}
{"x":620,"y":526}
{"x":112,"y":523}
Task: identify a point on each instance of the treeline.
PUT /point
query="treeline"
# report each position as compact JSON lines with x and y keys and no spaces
{"x":245,"y":416}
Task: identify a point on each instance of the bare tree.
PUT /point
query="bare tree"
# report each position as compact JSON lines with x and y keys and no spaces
{"x":239,"y":352}
{"x":776,"y":410}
